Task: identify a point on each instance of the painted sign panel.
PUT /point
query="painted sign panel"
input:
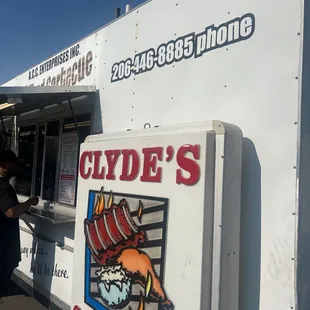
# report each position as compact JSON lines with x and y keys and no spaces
{"x":144,"y":225}
{"x":125,"y":251}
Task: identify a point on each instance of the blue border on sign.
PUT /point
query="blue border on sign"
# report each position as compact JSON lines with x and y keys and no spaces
{"x":88,"y":299}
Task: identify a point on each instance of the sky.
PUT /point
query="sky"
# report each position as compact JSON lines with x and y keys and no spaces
{"x":33,"y":30}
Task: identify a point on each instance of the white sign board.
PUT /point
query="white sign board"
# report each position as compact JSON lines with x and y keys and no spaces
{"x":68,"y":168}
{"x":148,"y":226}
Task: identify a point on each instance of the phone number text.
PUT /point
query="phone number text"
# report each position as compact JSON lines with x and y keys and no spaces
{"x":166,"y":54}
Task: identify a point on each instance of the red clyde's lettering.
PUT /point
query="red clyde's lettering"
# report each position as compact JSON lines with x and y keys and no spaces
{"x":112,"y":158}
{"x":188,"y":164}
{"x":135,"y":163}
{"x":151,"y":155}
{"x":186,"y":158}
{"x":85,"y":156}
{"x":96,"y":174}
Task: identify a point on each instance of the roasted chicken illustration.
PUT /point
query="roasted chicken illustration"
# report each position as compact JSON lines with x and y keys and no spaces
{"x":113,"y":238}
{"x":139,"y":265}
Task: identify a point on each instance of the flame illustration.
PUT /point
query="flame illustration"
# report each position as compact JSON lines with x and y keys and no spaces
{"x":111,"y":200}
{"x":140,"y":211}
{"x":141,"y":305}
{"x":148,"y":286}
{"x":100,"y":204}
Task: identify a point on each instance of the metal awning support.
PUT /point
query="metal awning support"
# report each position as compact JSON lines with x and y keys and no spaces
{"x":74,"y":119}
{"x":3,"y":130}
{"x":16,"y":100}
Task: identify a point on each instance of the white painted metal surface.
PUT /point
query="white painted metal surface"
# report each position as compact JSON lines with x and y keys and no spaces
{"x":213,"y":222}
{"x":250,"y":83}
{"x":254,"y":83}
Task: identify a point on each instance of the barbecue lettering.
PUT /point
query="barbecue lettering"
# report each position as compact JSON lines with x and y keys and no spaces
{"x":73,"y":74}
{"x":146,"y":164}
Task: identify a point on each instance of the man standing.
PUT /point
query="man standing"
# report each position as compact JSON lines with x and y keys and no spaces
{"x":10,"y":210}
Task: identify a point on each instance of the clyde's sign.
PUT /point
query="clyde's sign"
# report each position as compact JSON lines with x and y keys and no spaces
{"x":144,"y":163}
{"x":146,"y":206}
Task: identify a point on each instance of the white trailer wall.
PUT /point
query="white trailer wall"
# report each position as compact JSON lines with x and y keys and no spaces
{"x":303,"y":176}
{"x":255,"y":84}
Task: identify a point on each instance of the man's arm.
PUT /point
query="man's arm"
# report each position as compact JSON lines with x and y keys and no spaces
{"x":21,"y":208}
{"x":9,"y":204}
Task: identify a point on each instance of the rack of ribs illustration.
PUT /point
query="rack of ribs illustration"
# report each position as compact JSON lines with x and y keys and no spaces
{"x":113,"y":238}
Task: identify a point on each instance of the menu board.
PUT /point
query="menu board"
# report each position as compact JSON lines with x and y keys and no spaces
{"x":68,"y":168}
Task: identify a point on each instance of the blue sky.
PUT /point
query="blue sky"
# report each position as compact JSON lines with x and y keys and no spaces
{"x":33,"y":30}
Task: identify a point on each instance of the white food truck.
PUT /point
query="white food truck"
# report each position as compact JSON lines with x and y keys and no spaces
{"x":170,"y":151}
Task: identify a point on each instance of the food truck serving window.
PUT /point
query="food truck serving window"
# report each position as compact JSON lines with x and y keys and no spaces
{"x":26,"y":150}
{"x":48,"y":143}
{"x":50,"y":151}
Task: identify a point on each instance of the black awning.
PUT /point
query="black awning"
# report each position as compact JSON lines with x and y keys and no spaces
{"x":16,"y":100}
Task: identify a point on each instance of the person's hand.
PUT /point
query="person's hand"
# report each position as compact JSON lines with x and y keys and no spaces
{"x":33,"y":201}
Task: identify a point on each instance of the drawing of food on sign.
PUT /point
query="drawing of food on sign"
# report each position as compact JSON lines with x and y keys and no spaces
{"x":125,"y":252}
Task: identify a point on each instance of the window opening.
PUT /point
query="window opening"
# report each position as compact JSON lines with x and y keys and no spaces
{"x":50,"y":162}
{"x":26,"y":151}
{"x":39,"y":160}
{"x":51,"y":152}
